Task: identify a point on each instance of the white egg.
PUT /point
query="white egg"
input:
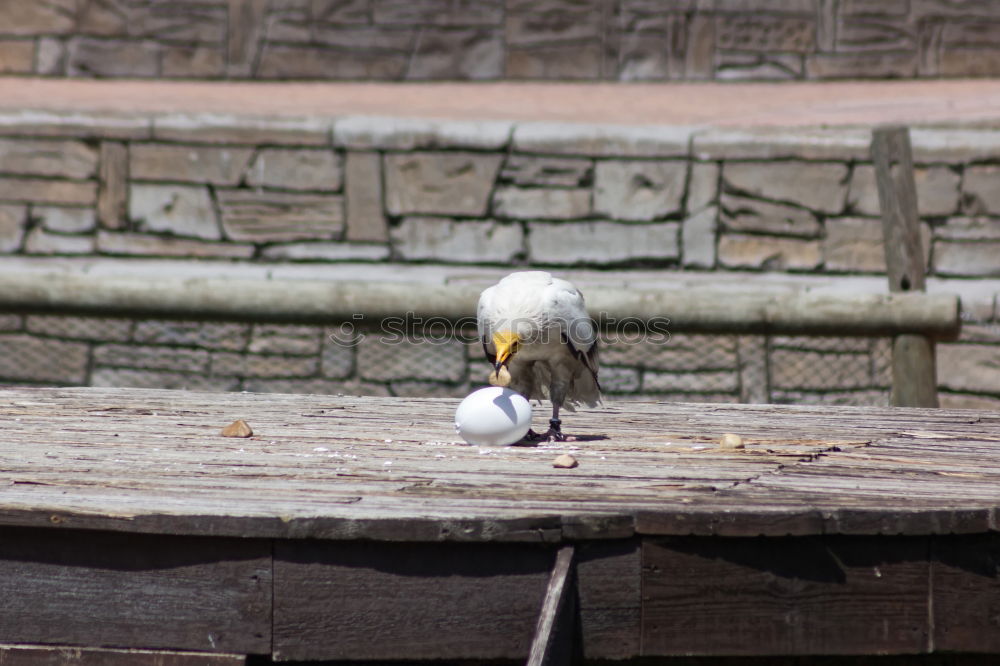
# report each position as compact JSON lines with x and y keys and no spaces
{"x":493,"y":416}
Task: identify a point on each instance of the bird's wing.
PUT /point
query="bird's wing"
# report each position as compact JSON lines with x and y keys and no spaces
{"x":567,"y":308}
{"x":578,"y":329}
{"x":589,"y":359}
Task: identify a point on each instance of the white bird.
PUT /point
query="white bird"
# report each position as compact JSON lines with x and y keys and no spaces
{"x":541,"y":342}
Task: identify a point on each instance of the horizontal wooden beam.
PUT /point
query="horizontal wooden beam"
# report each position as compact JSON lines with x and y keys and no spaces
{"x":150,"y":592}
{"x":423,"y":600}
{"x":725,"y":311}
{"x":369,"y":303}
{"x":219,"y":598}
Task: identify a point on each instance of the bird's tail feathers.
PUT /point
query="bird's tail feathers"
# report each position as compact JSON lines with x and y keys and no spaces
{"x":584,"y":390}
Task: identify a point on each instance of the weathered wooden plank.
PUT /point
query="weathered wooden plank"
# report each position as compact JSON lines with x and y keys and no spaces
{"x":897,"y":193}
{"x":914,"y":375}
{"x":452,"y":601}
{"x":610,"y":593}
{"x":833,"y":595}
{"x":916,"y":486}
{"x":112,"y":196}
{"x":48,"y":655}
{"x":908,"y":520}
{"x":335,"y":301}
{"x":74,"y":587}
{"x":321,"y":477}
{"x":336,"y":467}
{"x":420,"y":600}
{"x":914,"y":371}
{"x":965,"y":577}
{"x":245,"y":24}
{"x":557,"y":632}
{"x":732,"y":519}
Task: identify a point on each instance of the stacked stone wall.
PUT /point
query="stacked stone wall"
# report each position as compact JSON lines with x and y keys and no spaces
{"x":393,"y":40}
{"x":53,"y":350}
{"x":393,"y":192}
{"x":371,"y":189}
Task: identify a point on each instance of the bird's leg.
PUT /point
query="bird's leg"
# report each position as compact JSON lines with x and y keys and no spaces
{"x":557,"y":393}
{"x":553,"y":434}
{"x":558,"y":387}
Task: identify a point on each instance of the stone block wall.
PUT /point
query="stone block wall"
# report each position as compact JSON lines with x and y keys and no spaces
{"x":393,"y":40}
{"x":370,"y":189}
{"x":52,"y":350}
{"x":395,"y":191}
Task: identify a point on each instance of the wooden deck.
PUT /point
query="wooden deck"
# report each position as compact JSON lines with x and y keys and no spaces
{"x":128,"y":521}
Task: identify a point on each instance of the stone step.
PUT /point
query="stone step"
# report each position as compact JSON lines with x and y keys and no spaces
{"x":705,"y":104}
{"x":367,"y":188}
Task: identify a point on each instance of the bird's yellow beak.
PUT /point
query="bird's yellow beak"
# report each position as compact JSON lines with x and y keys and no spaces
{"x":506,"y":343}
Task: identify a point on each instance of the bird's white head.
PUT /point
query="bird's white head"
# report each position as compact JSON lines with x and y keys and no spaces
{"x":506,"y":343}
